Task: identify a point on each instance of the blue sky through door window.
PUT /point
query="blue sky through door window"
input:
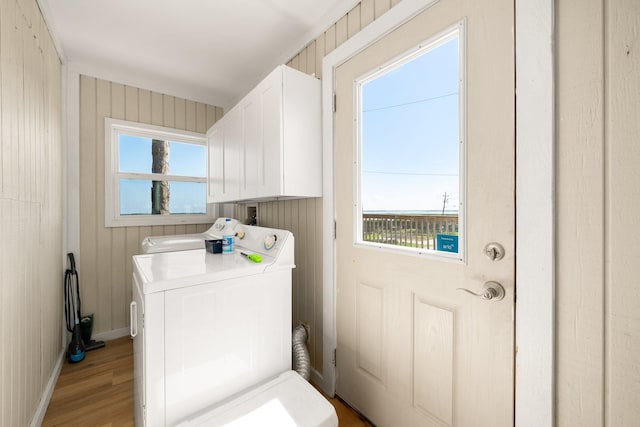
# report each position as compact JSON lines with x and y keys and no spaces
{"x":410,"y":135}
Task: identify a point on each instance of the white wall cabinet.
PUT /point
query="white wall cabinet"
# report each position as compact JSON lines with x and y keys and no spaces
{"x":269,"y":145}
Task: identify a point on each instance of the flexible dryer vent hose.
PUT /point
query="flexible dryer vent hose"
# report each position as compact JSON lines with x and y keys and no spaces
{"x":301,"y":359}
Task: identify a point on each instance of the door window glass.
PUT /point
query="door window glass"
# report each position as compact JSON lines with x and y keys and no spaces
{"x":411,"y":151}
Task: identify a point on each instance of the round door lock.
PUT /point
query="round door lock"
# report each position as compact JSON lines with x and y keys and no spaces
{"x":494,"y":251}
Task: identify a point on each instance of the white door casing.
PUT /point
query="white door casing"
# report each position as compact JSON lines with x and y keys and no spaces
{"x":412,"y":349}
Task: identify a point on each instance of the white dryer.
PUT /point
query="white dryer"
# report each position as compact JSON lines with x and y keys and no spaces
{"x":185,"y":242}
{"x":211,"y":328}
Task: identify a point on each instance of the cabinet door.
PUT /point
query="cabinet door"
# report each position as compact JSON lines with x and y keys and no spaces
{"x":253,"y":151}
{"x":215,"y":139}
{"x":270,"y":93}
{"x":301,"y":135}
{"x":232,"y":148}
{"x":225,"y":155}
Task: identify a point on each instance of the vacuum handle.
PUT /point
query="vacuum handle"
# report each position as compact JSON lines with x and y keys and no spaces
{"x":133,"y":318}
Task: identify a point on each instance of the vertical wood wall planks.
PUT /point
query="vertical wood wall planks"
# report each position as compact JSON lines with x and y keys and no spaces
{"x":102,"y":264}
{"x":341,"y":30}
{"x":88,"y":215}
{"x":367,"y":12}
{"x":119,"y":279}
{"x":353,"y":21}
{"x":380,"y":7}
{"x":30,"y":210}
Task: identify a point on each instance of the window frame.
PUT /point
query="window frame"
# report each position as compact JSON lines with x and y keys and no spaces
{"x":113,"y":128}
{"x":457,"y":30}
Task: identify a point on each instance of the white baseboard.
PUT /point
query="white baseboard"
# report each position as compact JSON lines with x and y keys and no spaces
{"x":41,"y":411}
{"x":111,"y":335}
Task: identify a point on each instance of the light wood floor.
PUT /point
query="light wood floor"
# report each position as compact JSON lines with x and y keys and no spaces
{"x":99,"y":391}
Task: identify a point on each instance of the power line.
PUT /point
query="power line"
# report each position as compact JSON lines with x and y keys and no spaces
{"x":410,"y":173}
{"x":411,"y":102}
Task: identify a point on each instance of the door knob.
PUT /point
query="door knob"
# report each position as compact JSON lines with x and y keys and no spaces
{"x":490,"y":291}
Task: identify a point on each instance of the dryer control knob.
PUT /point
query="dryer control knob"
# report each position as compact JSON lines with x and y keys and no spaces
{"x":270,"y":241}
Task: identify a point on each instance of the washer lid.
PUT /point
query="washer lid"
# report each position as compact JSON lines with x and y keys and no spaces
{"x":286,"y":401}
{"x":183,"y":242}
{"x":172,"y":270}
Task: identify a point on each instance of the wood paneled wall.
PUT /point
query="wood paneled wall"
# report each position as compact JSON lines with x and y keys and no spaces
{"x":105,"y":267}
{"x":304,"y":217}
{"x":31,"y":260}
{"x":598,"y":200}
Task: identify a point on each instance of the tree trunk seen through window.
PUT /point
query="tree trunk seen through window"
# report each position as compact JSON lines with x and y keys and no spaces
{"x":160,"y":193}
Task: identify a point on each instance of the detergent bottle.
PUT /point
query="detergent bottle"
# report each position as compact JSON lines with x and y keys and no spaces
{"x":228,"y":238}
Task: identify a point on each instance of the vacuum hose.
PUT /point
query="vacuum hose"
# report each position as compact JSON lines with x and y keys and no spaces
{"x":301,"y":359}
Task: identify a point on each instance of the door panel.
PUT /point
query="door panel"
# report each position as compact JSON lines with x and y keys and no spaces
{"x":412,"y":349}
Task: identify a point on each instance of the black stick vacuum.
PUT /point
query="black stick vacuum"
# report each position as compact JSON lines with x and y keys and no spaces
{"x":72,"y":312}
{"x":76,"y":351}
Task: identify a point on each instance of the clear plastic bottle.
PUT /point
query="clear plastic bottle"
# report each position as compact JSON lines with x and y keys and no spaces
{"x":228,"y":237}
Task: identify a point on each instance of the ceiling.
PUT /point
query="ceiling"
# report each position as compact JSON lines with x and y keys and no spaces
{"x":212,"y":51}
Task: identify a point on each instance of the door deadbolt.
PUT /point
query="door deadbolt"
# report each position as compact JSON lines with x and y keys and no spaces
{"x":494,"y":251}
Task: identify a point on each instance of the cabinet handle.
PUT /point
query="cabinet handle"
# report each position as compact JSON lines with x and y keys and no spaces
{"x":133,"y":318}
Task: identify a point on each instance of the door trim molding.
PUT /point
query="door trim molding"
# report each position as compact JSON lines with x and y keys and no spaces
{"x":534,"y":389}
{"x":535,"y":212}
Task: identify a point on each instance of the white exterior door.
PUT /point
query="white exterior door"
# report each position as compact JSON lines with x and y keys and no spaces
{"x":412,"y":348}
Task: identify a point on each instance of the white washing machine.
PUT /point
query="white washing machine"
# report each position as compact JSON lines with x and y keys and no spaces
{"x":212,"y":336}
